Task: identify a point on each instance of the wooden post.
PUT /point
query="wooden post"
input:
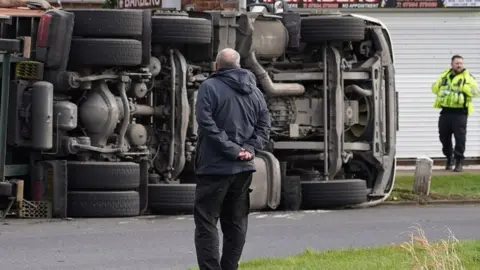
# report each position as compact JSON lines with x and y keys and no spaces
{"x":20,"y":188}
{"x":27,"y":46}
{"x":423,"y":175}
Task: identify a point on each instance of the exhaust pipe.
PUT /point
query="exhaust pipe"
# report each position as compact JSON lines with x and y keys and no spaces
{"x":272,"y":89}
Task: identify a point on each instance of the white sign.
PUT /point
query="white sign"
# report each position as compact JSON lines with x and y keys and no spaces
{"x":461,"y":3}
{"x":140,"y":3}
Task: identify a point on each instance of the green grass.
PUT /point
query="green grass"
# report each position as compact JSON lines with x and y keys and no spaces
{"x":416,"y":255}
{"x":392,"y":257}
{"x":442,"y":187}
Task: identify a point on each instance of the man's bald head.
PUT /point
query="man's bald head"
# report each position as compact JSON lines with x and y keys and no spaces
{"x":227,"y":58}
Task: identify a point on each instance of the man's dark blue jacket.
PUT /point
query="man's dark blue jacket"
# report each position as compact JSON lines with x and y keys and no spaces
{"x":231,"y":114}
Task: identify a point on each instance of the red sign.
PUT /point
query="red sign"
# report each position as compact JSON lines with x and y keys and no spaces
{"x":417,"y":3}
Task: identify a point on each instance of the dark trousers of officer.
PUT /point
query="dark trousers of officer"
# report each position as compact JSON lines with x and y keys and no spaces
{"x":226,"y":197}
{"x":453,"y":123}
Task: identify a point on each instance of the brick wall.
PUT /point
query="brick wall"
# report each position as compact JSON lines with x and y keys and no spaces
{"x":200,"y":5}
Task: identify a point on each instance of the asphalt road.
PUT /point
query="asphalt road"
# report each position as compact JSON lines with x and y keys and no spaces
{"x":166,"y":242}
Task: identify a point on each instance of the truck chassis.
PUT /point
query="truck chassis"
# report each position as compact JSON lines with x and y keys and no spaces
{"x":99,"y":108}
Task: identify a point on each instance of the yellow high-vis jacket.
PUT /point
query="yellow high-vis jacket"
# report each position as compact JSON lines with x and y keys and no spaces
{"x":456,"y":92}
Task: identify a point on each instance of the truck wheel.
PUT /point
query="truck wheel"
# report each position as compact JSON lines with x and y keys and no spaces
{"x":146,"y":37}
{"x":291,"y":198}
{"x":92,"y":175}
{"x":333,"y":193}
{"x":5,"y":188}
{"x":105,"y":52}
{"x":103,"y":204}
{"x":319,"y":29}
{"x":171,"y":198}
{"x":107,"y":22}
{"x":177,"y":29}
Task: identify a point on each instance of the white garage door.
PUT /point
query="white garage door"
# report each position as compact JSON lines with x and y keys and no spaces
{"x":423,"y":44}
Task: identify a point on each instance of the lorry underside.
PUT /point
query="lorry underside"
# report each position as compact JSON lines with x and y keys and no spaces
{"x":103,"y":117}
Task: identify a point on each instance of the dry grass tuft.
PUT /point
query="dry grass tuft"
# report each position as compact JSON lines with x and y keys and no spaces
{"x":441,"y":255}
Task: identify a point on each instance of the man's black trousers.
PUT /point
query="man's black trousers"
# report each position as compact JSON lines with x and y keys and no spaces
{"x":456,"y":124}
{"x":226,"y":197}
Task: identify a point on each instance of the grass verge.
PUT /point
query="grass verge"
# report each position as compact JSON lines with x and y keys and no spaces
{"x":416,"y":254}
{"x":463,"y":186}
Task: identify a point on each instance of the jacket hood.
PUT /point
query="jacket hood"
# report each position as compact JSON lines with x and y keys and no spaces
{"x":239,"y":79}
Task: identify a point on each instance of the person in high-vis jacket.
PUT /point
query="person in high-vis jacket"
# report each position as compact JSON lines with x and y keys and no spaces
{"x":454,"y":90}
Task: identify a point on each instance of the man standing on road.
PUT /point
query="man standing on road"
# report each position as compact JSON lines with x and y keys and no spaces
{"x":233,"y":120}
{"x":454,"y":91}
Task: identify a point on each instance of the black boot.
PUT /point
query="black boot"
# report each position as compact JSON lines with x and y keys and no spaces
{"x":449,"y":164}
{"x":458,"y":165}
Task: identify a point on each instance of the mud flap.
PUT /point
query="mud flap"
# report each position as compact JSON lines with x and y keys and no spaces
{"x":49,"y":182}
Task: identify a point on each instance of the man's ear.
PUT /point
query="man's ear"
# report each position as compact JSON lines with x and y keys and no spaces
{"x":216,"y":66}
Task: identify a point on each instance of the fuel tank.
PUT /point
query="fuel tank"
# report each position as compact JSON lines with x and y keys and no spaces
{"x":270,"y":38}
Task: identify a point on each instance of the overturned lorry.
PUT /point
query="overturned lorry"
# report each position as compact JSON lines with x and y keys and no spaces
{"x":101,"y":108}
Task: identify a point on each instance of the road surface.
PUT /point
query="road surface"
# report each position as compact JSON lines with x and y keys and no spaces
{"x":166,"y":242}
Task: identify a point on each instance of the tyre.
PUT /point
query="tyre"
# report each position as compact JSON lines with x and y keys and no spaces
{"x":146,"y":37}
{"x":93,"y":175}
{"x":333,"y":193}
{"x":291,"y":198}
{"x":6,"y":189}
{"x":107,"y":22}
{"x":103,"y":204}
{"x":171,"y":198}
{"x":177,"y":29}
{"x":105,"y":52}
{"x":320,"y":29}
